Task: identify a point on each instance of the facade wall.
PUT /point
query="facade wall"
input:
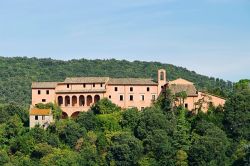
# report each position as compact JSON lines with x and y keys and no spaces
{"x":75,"y":104}
{"x":190,"y":102}
{"x":216,"y":101}
{"x":47,"y":120}
{"x":138,"y":92}
{"x":43,"y":97}
{"x":82,"y":86}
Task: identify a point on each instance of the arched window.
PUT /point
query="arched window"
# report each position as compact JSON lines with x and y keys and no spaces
{"x":74,"y":101}
{"x":60,"y":100}
{"x":96,"y":98}
{"x":81,"y":100}
{"x":162,"y":77}
{"x":64,"y":115}
{"x":75,"y":114}
{"x":89,"y":100}
{"x":67,"y":101}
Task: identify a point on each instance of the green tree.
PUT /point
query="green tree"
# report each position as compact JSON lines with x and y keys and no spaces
{"x":125,"y":150}
{"x":88,"y":120}
{"x":237,"y":113}
{"x":69,"y":131}
{"x":105,"y":106}
{"x":182,"y":133}
{"x":130,"y":118}
{"x":152,"y":119}
{"x":209,"y":146}
{"x":4,"y":158}
{"x":60,"y":157}
{"x":159,"y":146}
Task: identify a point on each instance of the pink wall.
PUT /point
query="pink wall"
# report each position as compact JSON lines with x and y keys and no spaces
{"x":103,"y":91}
{"x":37,"y":98}
{"x":138,"y":91}
{"x":63,"y":86}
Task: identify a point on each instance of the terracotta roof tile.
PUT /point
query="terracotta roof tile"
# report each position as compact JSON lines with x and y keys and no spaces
{"x":51,"y":85}
{"x":86,"y":80}
{"x":131,"y":81}
{"x":189,"y":89}
{"x":37,"y":111}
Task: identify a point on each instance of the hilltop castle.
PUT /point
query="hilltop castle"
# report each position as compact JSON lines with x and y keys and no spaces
{"x":77,"y":94}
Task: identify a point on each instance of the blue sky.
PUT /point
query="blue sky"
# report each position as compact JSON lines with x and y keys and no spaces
{"x":211,"y":37}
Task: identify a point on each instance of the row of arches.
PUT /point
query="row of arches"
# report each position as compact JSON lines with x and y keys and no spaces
{"x":74,"y":101}
{"x":74,"y":115}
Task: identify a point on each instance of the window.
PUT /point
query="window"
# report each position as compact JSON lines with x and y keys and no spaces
{"x":36,"y":117}
{"x":162,"y":76}
{"x":186,"y":105}
{"x":43,"y":100}
{"x":43,"y":117}
{"x":148,"y":89}
{"x":93,"y":85}
{"x":153,"y":97}
{"x":101,"y":85}
{"x":109,"y":96}
{"x":142,"y":108}
{"x":121,"y":97}
{"x":67,"y":85}
{"x":142,"y":97}
{"x":39,"y":92}
{"x":116,"y":89}
{"x":47,"y":92}
{"x":131,"y":89}
{"x":84,"y":85}
{"x":131,"y":97}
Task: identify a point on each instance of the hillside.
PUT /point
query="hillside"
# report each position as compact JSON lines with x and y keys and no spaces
{"x":17,"y":74}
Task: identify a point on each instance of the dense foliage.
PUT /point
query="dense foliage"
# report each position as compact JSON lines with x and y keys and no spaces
{"x":18,"y":73}
{"x":107,"y":135}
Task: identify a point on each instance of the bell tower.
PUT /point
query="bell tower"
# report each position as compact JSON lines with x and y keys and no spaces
{"x":162,"y":80}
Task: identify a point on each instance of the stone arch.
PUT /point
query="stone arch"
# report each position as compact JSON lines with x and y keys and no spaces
{"x":96,"y":98}
{"x":89,"y":100}
{"x":64,"y":115}
{"x":60,"y":100}
{"x":75,"y":114}
{"x":74,"y":101}
{"x":67,"y":101}
{"x":81,"y":100}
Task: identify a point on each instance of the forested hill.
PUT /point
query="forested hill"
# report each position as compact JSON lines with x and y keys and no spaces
{"x":17,"y":74}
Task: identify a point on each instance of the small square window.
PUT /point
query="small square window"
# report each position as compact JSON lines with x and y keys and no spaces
{"x":93,"y":85}
{"x":131,"y":89}
{"x":116,"y":89}
{"x":142,"y":108}
{"x":67,"y":85}
{"x":101,"y":85}
{"x":43,"y":117}
{"x":121,"y":97}
{"x":47,"y":92}
{"x":84,"y":85}
{"x":39,"y":92}
{"x":186,"y":105}
{"x":36,"y":117}
{"x":43,"y":100}
{"x":131,"y":97}
{"x":148,"y":89}
{"x":109,"y":96}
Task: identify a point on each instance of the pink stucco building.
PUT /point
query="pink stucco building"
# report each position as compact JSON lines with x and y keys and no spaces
{"x":77,"y":94}
{"x":195,"y":99}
